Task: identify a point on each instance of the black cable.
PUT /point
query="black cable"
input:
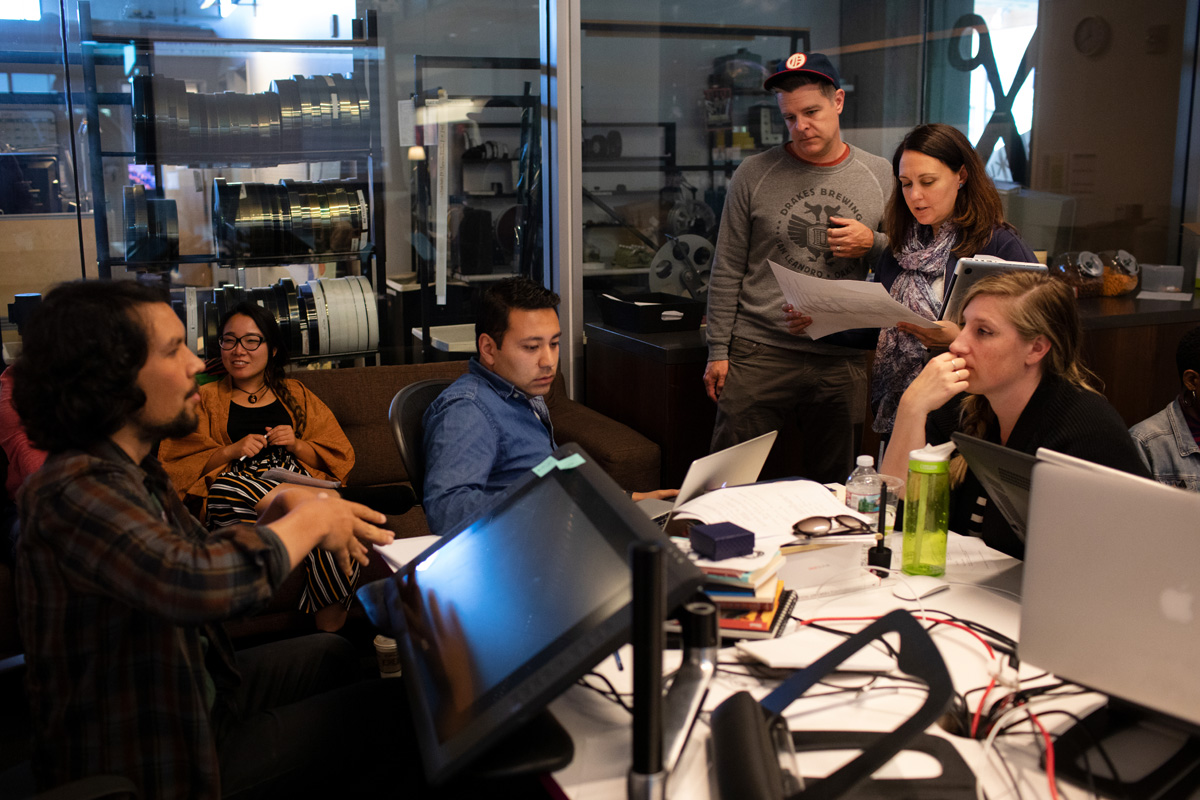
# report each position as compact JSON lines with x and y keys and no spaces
{"x":818,"y":626}
{"x":1011,"y":777}
{"x":1097,"y":745}
{"x":611,"y":694}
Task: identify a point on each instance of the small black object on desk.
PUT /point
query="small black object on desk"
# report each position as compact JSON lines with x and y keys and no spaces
{"x":880,"y":555}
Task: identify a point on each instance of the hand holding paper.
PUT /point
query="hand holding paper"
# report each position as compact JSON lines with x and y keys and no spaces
{"x":842,"y":305}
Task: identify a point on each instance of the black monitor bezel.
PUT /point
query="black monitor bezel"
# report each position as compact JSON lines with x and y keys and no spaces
{"x":551,"y":671}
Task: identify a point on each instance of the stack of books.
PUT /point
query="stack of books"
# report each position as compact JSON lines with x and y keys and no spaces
{"x":751,"y":600}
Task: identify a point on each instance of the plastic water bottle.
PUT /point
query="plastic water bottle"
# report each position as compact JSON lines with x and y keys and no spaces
{"x":863,"y":489}
{"x":927,"y":511}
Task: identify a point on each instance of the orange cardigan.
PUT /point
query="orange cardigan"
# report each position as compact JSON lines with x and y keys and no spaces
{"x":184,"y":458}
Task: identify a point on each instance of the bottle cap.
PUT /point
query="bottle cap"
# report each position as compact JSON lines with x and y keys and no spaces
{"x":865,"y":461}
{"x":931,"y":458}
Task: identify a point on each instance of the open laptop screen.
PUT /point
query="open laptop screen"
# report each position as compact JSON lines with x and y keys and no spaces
{"x":503,"y":614}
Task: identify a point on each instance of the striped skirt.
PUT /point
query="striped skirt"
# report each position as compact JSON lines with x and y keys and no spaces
{"x":232,"y":499}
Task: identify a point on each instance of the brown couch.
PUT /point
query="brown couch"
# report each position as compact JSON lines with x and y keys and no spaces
{"x":360,"y":398}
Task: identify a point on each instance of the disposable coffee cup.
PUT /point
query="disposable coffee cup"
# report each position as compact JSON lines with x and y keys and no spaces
{"x":388,"y":657}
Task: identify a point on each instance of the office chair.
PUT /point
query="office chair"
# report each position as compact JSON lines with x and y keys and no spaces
{"x":405,"y":413}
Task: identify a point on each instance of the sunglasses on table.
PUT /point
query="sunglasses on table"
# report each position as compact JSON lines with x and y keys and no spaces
{"x":839,"y":525}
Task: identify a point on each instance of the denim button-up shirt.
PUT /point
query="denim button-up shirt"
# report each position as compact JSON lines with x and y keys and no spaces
{"x":1166,"y":444}
{"x":481,"y":434}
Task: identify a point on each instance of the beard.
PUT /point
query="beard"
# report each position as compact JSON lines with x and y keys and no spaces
{"x":183,"y":424}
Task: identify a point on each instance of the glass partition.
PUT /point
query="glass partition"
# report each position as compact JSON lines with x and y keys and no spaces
{"x":1077,"y":114}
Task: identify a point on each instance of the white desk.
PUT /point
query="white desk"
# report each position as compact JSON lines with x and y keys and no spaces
{"x":601,"y":729}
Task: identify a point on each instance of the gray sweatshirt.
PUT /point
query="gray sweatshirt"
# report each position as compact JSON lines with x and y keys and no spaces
{"x":778,"y":207}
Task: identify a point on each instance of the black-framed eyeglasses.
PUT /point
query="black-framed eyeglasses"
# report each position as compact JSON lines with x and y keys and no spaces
{"x":839,"y":525}
{"x":251,"y":341}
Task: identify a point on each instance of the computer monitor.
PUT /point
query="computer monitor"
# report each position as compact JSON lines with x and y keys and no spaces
{"x":503,"y":614}
{"x":1109,"y":602}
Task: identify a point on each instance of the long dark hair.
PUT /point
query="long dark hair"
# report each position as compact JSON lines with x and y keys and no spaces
{"x":277,"y":357}
{"x":977,"y":209}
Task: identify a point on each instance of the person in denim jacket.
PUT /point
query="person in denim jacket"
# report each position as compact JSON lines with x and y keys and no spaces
{"x":492,"y":425}
{"x":1169,"y":441}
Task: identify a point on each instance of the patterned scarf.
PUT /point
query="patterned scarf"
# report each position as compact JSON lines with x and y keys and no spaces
{"x":900,"y":356}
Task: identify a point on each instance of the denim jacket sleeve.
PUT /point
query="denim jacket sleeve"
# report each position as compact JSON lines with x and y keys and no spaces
{"x":460,"y":450}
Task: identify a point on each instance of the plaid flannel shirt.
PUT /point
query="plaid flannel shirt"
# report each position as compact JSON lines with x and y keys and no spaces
{"x":120,"y":593}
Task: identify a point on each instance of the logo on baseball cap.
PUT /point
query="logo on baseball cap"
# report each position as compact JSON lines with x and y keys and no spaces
{"x":814,"y":64}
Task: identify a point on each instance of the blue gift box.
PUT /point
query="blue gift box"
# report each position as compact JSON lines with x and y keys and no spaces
{"x":721,"y":540}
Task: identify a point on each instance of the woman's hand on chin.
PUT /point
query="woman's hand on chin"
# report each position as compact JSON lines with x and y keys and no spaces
{"x":942,"y":378}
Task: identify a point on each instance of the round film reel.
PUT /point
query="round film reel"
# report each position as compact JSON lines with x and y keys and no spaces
{"x":372,"y":312}
{"x":321,"y":310}
{"x":682,"y":267}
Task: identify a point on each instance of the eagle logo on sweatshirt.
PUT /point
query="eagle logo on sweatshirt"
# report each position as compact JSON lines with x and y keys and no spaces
{"x":813,"y":234}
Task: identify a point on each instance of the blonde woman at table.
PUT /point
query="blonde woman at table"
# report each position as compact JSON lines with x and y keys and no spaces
{"x":252,"y":420}
{"x":1012,"y":376}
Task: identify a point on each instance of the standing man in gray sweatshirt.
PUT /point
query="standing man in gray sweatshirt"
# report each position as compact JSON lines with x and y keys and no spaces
{"x":814,"y":205}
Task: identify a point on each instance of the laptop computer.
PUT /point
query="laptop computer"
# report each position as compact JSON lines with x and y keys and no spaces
{"x":968,"y":272}
{"x":734,"y":466}
{"x":1110,"y":587}
{"x":1005,"y":475}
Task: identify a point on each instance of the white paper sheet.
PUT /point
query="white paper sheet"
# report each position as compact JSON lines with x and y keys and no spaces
{"x":768,"y":509}
{"x":841,"y":305}
{"x":401,"y":551}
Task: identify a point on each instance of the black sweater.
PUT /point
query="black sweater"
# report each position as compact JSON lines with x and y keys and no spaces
{"x":1059,"y":416}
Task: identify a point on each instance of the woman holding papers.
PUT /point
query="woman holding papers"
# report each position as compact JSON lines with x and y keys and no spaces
{"x":1012,"y":376}
{"x":252,"y":420}
{"x":943,"y":207}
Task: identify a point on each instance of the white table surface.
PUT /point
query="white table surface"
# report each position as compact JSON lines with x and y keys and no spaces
{"x":601,"y":729}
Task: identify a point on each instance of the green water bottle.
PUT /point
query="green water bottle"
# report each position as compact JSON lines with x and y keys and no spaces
{"x":927,"y":511}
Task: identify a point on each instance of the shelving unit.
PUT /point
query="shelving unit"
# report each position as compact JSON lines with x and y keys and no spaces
{"x":485,"y":203}
{"x":302,"y":124}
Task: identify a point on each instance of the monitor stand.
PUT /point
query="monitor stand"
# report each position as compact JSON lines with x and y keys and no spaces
{"x":539,"y":746}
{"x":1154,"y":758}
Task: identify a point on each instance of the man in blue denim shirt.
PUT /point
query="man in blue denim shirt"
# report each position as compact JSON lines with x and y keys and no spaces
{"x":492,"y":425}
{"x":1169,"y":441}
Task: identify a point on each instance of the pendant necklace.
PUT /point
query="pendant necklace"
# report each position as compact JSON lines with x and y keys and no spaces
{"x":252,"y":396}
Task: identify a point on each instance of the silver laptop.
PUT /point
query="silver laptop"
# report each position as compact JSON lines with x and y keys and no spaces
{"x":733,"y":466}
{"x":1005,"y":475}
{"x":969,"y":271}
{"x":1111,"y":584}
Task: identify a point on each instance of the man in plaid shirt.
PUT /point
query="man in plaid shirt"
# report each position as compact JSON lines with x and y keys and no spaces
{"x":121,"y":592}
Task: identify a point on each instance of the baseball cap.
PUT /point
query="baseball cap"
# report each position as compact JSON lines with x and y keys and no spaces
{"x":815,"y":64}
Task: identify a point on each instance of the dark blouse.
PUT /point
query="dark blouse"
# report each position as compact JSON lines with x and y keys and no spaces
{"x":1059,"y":416}
{"x":1004,"y":244}
{"x":244,"y":420}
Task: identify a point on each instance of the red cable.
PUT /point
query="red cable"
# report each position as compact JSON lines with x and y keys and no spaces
{"x":1049,"y":754}
{"x":979,"y":711}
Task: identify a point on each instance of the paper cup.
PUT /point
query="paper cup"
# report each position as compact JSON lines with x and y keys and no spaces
{"x":388,"y":657}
